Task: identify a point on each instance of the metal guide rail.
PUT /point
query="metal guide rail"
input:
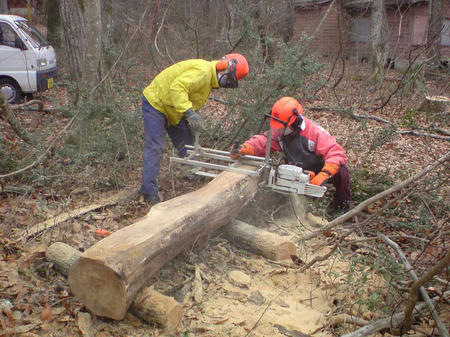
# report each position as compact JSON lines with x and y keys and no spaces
{"x":198,"y":154}
{"x":281,"y":178}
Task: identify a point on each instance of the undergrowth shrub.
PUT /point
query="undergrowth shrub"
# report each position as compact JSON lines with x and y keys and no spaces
{"x":246,"y":105}
{"x":104,"y":143}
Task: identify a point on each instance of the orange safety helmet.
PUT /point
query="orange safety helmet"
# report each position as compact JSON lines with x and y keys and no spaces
{"x":237,"y":68}
{"x":285,"y":112}
{"x":241,"y":64}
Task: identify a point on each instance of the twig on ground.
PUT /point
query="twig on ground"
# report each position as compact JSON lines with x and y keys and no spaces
{"x":385,"y":323}
{"x":27,"y":104}
{"x":359,"y":208}
{"x":417,"y":285}
{"x":56,"y":220}
{"x":45,"y":152}
{"x":6,"y":112}
{"x":382,"y":120}
{"x":346,"y":319}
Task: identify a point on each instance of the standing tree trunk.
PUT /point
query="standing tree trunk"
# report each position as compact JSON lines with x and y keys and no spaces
{"x":434,"y":31}
{"x":54,"y":29}
{"x":82,"y":21}
{"x":380,"y":36}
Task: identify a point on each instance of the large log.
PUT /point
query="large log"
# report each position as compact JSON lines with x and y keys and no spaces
{"x":109,"y":274}
{"x":149,"y":305}
{"x":259,"y":241}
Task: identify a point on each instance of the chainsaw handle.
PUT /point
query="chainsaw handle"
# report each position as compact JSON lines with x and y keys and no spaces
{"x":235,"y":148}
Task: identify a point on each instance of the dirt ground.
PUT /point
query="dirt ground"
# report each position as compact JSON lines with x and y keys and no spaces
{"x":243,"y":294}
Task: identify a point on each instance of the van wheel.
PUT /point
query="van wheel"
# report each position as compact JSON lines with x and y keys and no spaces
{"x":11,"y":90}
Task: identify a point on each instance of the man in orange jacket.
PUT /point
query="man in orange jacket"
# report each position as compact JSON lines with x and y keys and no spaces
{"x":304,"y":144}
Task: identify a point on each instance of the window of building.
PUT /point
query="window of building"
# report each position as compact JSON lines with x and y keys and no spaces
{"x":419,"y":33}
{"x":445,"y":36}
{"x":360,"y":30}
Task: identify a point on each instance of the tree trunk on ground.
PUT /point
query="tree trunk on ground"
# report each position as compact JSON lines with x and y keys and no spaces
{"x":156,"y":308}
{"x":380,"y":36}
{"x":150,"y":306}
{"x":109,"y":274}
{"x":259,"y":241}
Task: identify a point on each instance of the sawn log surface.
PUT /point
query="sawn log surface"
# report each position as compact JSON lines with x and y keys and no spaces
{"x":109,"y":274}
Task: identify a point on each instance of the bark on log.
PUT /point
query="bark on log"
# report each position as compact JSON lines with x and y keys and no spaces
{"x":149,"y":305}
{"x":259,"y":241}
{"x":156,"y":308}
{"x":109,"y":274}
{"x":62,"y":256}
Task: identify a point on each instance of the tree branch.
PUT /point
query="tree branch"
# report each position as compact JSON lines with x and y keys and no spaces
{"x":13,"y":122}
{"x":385,"y":323}
{"x":417,"y":285}
{"x":359,"y":208}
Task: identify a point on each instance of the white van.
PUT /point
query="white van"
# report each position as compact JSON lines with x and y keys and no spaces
{"x":27,"y":61}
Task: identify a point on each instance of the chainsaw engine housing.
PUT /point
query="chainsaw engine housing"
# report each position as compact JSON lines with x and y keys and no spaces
{"x":292,"y":179}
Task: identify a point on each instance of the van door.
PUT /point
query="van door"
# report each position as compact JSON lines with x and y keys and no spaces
{"x":13,"y":64}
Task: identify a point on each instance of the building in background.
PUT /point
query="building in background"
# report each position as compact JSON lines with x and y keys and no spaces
{"x":347,"y":28}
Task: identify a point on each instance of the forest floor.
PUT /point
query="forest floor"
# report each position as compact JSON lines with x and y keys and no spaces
{"x":269,"y":298}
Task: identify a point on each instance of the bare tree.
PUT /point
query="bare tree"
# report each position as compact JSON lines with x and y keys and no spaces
{"x":380,"y":36}
{"x":434,"y":31}
{"x":82,"y":21}
{"x":54,"y":29}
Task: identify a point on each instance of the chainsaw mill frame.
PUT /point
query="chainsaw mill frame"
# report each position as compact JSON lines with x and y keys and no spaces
{"x":291,"y":178}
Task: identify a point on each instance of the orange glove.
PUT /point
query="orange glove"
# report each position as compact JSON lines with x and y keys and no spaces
{"x":328,"y":170}
{"x":241,"y":150}
{"x":311,"y":175}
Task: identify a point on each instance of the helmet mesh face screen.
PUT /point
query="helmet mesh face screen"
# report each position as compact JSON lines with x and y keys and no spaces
{"x":229,"y":79}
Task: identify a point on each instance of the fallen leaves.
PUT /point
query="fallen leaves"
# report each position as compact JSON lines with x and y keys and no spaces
{"x":46,"y":313}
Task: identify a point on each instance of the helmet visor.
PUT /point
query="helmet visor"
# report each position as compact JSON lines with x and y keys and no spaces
{"x":277,"y":123}
{"x":229,"y":79}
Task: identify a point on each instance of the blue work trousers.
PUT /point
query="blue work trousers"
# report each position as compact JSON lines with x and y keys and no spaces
{"x":155,"y":126}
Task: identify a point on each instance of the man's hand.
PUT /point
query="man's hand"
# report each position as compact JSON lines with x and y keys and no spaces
{"x":194,"y":119}
{"x":241,"y":150}
{"x":323,"y":176}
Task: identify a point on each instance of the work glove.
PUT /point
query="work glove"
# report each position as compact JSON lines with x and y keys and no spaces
{"x":194,"y":119}
{"x":328,"y":170}
{"x":241,"y":150}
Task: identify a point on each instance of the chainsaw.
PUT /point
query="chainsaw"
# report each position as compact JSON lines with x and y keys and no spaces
{"x":280,"y":178}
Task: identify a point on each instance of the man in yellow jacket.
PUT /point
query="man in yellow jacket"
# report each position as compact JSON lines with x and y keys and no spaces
{"x":170,"y":103}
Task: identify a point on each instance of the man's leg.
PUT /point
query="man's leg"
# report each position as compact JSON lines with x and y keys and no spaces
{"x":342,"y":196}
{"x":180,"y":136}
{"x":154,"y":126}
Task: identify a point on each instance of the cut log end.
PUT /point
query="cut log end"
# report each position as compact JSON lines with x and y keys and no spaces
{"x":155,"y":308}
{"x":284,"y":251}
{"x":87,"y":277}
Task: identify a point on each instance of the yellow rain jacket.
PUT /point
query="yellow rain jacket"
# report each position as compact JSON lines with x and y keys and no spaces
{"x":186,"y":84}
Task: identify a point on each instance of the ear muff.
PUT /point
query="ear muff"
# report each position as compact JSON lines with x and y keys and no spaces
{"x":298,"y":120}
{"x":221,"y":65}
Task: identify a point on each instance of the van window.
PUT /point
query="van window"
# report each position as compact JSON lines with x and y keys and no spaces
{"x":32,"y":34}
{"x":8,"y":36}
